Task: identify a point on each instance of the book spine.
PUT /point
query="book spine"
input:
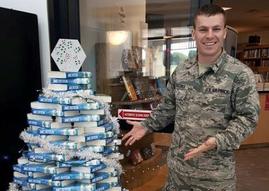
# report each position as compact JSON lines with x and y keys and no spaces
{"x":78,"y":74}
{"x":87,"y":106}
{"x":129,"y":88}
{"x":55,"y":100}
{"x":46,"y":181}
{"x":102,"y":186}
{"x":47,"y":112}
{"x":78,"y":187}
{"x":80,"y":118}
{"x":44,"y":99}
{"x":39,"y":123}
{"x":71,"y":163}
{"x":60,"y":131}
{"x":70,"y":81}
{"x":90,"y":169}
{"x":73,"y":176}
{"x":40,"y":156}
{"x":68,"y":144}
{"x":45,"y":157}
{"x":92,"y":137}
{"x":108,"y":126}
{"x":109,"y":149}
{"x":18,"y":168}
{"x":62,"y":183}
{"x":78,"y":87}
{"x":20,"y":181}
{"x":34,"y":168}
{"x":31,"y":116}
{"x":99,"y":176}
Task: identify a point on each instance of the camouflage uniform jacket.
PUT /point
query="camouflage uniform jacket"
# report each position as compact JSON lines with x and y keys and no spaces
{"x":221,"y":103}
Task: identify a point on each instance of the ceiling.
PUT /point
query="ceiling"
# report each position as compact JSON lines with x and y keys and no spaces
{"x":247,"y":15}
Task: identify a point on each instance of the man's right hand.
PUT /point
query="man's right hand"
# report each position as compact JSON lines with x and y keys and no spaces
{"x":137,"y":132}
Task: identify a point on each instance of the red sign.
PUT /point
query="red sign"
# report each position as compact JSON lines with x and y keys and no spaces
{"x":133,"y":114}
{"x":266,"y":106}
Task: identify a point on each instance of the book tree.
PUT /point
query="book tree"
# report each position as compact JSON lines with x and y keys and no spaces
{"x":71,"y":136}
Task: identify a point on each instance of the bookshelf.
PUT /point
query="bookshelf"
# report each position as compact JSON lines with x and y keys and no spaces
{"x":257,"y":58}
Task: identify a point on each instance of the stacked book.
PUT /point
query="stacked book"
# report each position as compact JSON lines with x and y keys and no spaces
{"x":71,"y":138}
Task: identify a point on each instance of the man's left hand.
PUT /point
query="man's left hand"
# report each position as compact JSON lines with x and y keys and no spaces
{"x":209,"y":144}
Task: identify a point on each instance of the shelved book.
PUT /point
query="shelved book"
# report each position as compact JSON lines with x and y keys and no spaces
{"x":71,"y":139}
{"x":73,"y":100}
{"x":69,"y":75}
{"x":67,"y":107}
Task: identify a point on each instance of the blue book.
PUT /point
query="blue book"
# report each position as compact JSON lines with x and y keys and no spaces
{"x":44,"y":157}
{"x":90,"y":125}
{"x":62,"y":183}
{"x":20,"y":175}
{"x":68,"y":87}
{"x":56,"y":100}
{"x":76,"y":187}
{"x":79,"y":118}
{"x":61,"y":131}
{"x":47,"y":180}
{"x":98,"y":176}
{"x":19,"y":168}
{"x":73,"y":176}
{"x":59,"y":107}
{"x":60,"y":74}
{"x":109,"y":126}
{"x":88,"y":169}
{"x":113,"y":182}
{"x":68,"y":144}
{"x":161,"y":85}
{"x":46,"y":137}
{"x":84,"y":106}
{"x":101,"y":142}
{"x":31,"y":116}
{"x":20,"y":181}
{"x":111,"y":171}
{"x":109,"y":150}
{"x":102,"y":187}
{"x":80,"y":162}
{"x":36,"y":174}
{"x":54,"y":112}
{"x":70,"y":80}
{"x":39,"y":187}
{"x":48,"y":124}
{"x":92,"y":137}
{"x":39,"y":123}
{"x":96,"y":149}
{"x":50,"y":169}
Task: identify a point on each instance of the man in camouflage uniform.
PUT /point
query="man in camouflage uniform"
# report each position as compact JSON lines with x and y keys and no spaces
{"x":215,"y":105}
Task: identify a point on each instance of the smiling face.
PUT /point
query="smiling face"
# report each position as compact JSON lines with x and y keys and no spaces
{"x":209,"y":33}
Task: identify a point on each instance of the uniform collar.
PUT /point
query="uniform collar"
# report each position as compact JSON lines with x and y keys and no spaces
{"x":215,"y":67}
{"x":219,"y":62}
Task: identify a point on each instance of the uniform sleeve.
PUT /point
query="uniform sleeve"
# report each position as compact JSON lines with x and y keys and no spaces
{"x":164,"y":113}
{"x":245,"y":102}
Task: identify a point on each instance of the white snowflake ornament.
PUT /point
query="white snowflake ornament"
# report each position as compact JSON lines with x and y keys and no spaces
{"x":68,"y":55}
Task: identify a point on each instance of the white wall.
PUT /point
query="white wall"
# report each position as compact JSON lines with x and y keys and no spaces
{"x":40,"y":8}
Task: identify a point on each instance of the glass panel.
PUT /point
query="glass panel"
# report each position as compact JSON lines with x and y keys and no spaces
{"x":134,"y":41}
{"x":181,"y":49}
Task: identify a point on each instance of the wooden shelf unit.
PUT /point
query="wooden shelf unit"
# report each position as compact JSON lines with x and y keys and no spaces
{"x":256,"y":57}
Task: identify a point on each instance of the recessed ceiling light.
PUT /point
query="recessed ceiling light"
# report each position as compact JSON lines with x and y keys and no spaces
{"x":226,"y":8}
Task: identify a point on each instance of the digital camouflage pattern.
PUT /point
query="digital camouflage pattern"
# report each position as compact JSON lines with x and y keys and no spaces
{"x":221,"y":103}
